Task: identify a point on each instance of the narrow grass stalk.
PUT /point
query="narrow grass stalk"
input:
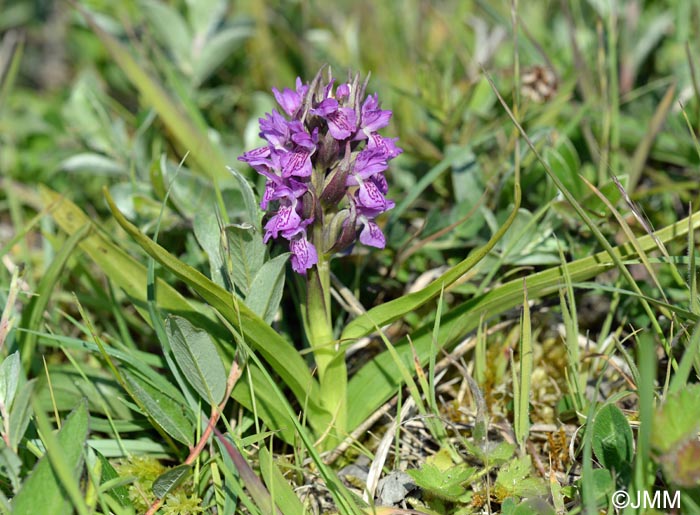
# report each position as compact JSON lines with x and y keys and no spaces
{"x":646,"y":359}
{"x":522,"y":384}
{"x":576,"y":380}
{"x":614,"y":91}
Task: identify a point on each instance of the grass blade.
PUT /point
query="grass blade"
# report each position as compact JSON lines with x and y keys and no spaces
{"x":395,"y":309}
{"x":522,"y":383}
{"x":378,"y":380}
{"x":33,"y":315}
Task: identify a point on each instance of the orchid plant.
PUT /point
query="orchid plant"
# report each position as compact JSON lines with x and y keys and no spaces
{"x":324,"y":165}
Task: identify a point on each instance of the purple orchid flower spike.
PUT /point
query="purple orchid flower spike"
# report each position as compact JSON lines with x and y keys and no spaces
{"x":324,"y":166}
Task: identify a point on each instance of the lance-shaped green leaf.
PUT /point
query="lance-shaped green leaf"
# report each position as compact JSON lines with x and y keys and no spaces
{"x":9,"y":378}
{"x":250,"y":204}
{"x":245,"y":246}
{"x":166,"y":482}
{"x":120,"y":493}
{"x":266,"y":290}
{"x":167,"y":412}
{"x":196,"y":355}
{"x":171,"y":29}
{"x":47,"y":489}
{"x":208,"y":234}
{"x":21,"y":413}
{"x":218,"y":49}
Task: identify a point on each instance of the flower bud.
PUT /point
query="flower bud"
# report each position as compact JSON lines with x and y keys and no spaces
{"x":340,"y":233}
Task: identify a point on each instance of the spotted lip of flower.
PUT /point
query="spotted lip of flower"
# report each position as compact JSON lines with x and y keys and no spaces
{"x":342,"y":121}
{"x":304,"y":254}
{"x":297,"y":162}
{"x":369,"y":196}
{"x":371,"y":235}
{"x":324,"y":166}
{"x":286,"y":220}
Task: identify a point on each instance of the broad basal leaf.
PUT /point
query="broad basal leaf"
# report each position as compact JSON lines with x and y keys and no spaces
{"x":167,"y":412}
{"x":613,"y":442}
{"x":196,"y":355}
{"x":42,"y":492}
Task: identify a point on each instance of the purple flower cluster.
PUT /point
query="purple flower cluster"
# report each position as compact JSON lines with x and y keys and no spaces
{"x":324,"y":163}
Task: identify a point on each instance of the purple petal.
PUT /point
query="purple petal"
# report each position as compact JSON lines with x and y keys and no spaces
{"x":370,"y":196}
{"x":301,"y":87}
{"x":387,"y":146}
{"x":257,"y":156}
{"x":286,"y":219}
{"x":328,"y":89}
{"x":304,"y":255}
{"x":374,"y":120}
{"x":306,"y":140}
{"x":342,"y":121}
{"x":276,"y":190}
{"x":268,"y":195}
{"x":275,"y":129}
{"x":288,"y":99}
{"x":380,"y":181}
{"x":342,"y":124}
{"x":371,"y":103}
{"x":297,"y":162}
{"x":368,"y":163}
{"x":372,"y":235}
{"x":328,"y":106}
{"x":298,"y":188}
{"x":342,"y":91}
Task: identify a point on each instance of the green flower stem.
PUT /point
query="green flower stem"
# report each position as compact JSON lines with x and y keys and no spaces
{"x":330,"y":361}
